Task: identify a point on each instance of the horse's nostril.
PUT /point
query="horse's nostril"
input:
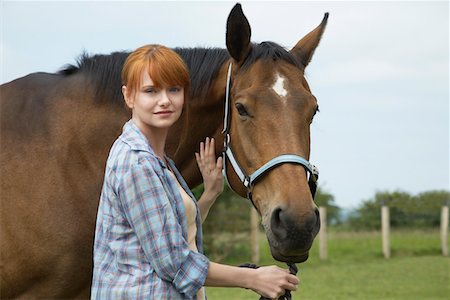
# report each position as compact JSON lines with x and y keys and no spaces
{"x":284,"y":224}
{"x":317,"y":225}
{"x":316,"y":211}
{"x":276,"y":224}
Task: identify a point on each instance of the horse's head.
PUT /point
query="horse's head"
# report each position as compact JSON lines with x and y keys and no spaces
{"x":271,"y":108}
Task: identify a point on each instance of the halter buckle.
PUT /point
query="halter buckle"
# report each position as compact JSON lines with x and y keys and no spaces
{"x":246,"y":182}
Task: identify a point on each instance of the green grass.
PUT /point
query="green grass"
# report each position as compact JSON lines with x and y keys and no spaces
{"x":356,"y":268}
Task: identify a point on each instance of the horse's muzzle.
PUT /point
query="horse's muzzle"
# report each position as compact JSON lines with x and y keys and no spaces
{"x":292,"y":236}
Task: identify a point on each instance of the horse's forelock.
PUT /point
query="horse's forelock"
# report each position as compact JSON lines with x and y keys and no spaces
{"x":269,"y":51}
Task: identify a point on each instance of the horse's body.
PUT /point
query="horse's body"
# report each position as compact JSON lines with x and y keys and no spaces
{"x":56,"y":131}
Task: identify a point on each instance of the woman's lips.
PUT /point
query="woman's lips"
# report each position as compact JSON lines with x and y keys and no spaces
{"x":164,"y":113}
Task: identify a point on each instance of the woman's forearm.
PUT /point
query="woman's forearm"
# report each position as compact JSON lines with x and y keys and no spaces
{"x":228,"y":276}
{"x":205,"y":202}
{"x":270,"y":281}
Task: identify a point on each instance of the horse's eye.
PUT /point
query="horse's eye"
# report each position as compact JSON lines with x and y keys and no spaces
{"x":242,"y":110}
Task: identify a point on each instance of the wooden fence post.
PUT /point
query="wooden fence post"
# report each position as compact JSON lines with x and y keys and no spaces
{"x":323,"y":252}
{"x":254,"y":235}
{"x":444,"y":230}
{"x":385,"y":231}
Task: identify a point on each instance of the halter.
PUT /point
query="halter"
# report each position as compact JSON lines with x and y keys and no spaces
{"x":249,"y":180}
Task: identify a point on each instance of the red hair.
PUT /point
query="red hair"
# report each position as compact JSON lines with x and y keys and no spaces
{"x":164,"y":66}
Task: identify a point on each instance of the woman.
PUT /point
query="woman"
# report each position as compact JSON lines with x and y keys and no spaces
{"x":148,"y":238}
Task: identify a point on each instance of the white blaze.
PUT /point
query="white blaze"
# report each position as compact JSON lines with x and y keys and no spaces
{"x":278,"y":86}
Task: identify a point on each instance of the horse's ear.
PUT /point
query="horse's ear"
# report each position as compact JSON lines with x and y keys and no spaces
{"x":305,"y":48}
{"x":238,"y":34}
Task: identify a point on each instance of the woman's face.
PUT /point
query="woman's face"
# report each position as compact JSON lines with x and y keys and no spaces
{"x":157,"y":108}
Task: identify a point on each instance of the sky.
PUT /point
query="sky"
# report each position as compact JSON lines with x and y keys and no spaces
{"x":380,"y":73}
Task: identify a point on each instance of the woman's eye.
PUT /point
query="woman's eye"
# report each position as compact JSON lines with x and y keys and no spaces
{"x":242,"y":110}
{"x":174,"y":89}
{"x":151,"y":90}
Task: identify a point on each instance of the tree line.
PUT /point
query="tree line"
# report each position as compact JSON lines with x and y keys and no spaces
{"x":406,"y":210}
{"x":228,"y":222}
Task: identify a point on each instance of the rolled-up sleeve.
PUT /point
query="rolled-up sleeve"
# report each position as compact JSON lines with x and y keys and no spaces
{"x":151,"y":215}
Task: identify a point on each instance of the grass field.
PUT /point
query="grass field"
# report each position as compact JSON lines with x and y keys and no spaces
{"x":356,"y":269}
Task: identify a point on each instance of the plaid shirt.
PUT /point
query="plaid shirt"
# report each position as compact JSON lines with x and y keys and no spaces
{"x":141,"y":249}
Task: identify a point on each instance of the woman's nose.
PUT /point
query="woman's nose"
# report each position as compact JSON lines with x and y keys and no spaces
{"x":164,"y":99}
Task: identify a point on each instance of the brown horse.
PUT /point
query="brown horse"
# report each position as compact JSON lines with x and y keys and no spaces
{"x":56,"y":130}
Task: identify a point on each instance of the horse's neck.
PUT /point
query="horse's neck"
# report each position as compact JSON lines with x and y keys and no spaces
{"x":205,"y":120}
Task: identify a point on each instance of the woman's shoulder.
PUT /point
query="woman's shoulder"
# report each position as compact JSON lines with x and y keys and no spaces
{"x":124,"y":157}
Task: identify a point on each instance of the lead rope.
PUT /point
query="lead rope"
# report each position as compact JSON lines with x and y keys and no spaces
{"x":292,"y":269}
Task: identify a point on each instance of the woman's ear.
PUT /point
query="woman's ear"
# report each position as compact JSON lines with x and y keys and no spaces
{"x":129,"y":100}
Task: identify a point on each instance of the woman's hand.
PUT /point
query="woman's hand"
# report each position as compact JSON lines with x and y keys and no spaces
{"x":210,"y":168}
{"x":272,"y":281}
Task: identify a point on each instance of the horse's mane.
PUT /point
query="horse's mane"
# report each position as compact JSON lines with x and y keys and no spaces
{"x":203,"y":64}
{"x":104,"y":71}
{"x":103,"y":74}
{"x":270,"y":51}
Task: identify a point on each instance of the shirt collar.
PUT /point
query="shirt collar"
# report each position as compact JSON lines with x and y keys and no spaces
{"x":132,"y":136}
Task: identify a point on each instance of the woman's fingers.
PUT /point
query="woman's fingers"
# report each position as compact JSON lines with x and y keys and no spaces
{"x":212,"y":148}
{"x":219,"y":164}
{"x":212,"y":154}
{"x":292,"y":283}
{"x":199,"y":162}
{"x":273,"y":281}
{"x":206,"y":158}
{"x":202,"y":150}
{"x":208,"y":153}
